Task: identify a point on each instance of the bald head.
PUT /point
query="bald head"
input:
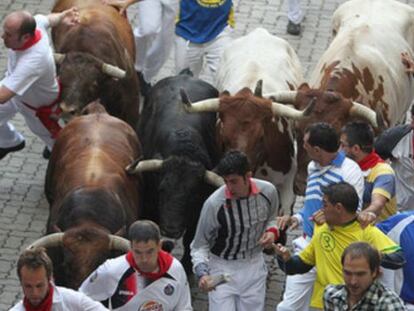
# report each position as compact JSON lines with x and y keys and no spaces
{"x":21,"y":21}
{"x":18,"y":27}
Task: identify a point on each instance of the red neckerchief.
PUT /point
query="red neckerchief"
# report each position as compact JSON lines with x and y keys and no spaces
{"x":32,"y":41}
{"x":370,"y":161}
{"x":164,"y":263}
{"x":45,"y":305}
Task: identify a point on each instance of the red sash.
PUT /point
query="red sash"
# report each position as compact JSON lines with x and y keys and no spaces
{"x":45,"y":305}
{"x":44,"y":113}
{"x":164,"y":263}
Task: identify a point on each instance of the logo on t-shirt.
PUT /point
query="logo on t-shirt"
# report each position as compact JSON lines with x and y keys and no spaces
{"x":151,"y":306}
{"x":169,"y":290}
{"x":327,"y":241}
{"x":211,"y":3}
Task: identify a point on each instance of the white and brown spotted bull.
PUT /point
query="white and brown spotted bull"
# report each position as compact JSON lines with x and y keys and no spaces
{"x":360,"y":75}
{"x":96,"y":61}
{"x":249,"y":121}
{"x":92,"y":199}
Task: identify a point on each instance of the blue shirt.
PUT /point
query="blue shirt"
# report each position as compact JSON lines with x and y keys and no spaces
{"x":201,"y":21}
{"x":400,"y":228}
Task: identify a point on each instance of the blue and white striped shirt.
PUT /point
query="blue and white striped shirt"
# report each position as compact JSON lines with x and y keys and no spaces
{"x":340,"y":169}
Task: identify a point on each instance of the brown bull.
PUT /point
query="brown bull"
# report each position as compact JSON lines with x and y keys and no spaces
{"x":258,"y":127}
{"x":96,"y":60}
{"x":89,"y":193}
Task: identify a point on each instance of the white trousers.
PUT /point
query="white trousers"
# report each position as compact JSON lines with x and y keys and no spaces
{"x":246,"y":289}
{"x":9,"y":137}
{"x":202,"y":59}
{"x":294,"y":12}
{"x":154,"y":35}
{"x":299,"y":287}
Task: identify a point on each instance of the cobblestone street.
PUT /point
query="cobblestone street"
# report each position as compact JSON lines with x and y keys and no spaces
{"x":23,"y":207}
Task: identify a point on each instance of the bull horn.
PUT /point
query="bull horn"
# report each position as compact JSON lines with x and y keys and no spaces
{"x":283,"y":96}
{"x":213,"y":179}
{"x":144,"y":166}
{"x":113,"y":71}
{"x":59,"y":57}
{"x":292,"y":113}
{"x":50,"y":240}
{"x":118,"y":243}
{"x":258,"y":89}
{"x":207,"y":105}
{"x":359,"y":110}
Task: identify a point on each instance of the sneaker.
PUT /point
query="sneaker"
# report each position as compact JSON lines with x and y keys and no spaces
{"x":144,"y":86}
{"x":293,"y":29}
{"x":5,"y":151}
{"x":46,"y":153}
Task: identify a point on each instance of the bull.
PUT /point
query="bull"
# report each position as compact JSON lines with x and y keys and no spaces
{"x":96,"y":61}
{"x":360,"y":75}
{"x":92,"y":198}
{"x":179,"y":150}
{"x":249,"y":121}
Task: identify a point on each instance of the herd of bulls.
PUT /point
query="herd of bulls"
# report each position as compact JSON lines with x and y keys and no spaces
{"x":111,"y":166}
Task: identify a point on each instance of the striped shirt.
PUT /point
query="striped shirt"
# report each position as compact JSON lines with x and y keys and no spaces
{"x":231,"y":228}
{"x":340,"y":169}
{"x":380,"y":179}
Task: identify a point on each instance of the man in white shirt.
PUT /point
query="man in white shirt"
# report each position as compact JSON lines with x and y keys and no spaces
{"x":34,"y":269}
{"x":146,"y":278}
{"x":29,"y":86}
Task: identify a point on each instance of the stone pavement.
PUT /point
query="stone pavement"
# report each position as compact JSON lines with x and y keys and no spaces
{"x":23,"y":207}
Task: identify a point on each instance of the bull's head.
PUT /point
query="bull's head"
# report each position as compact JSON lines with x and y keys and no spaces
{"x":82,"y":78}
{"x":83,"y":250}
{"x":330,"y":107}
{"x":247,"y":119}
{"x":181,"y":191}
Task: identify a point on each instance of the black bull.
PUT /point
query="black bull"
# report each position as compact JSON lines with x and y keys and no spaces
{"x":184,"y":146}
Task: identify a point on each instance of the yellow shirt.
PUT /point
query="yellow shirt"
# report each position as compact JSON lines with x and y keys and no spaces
{"x":326,"y":248}
{"x":381,"y":180}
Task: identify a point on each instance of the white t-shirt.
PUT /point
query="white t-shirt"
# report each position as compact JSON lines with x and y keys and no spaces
{"x":65,"y":299}
{"x":31,"y":73}
{"x":119,"y":286}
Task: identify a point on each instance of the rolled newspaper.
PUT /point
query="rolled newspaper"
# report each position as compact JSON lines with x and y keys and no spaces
{"x":219,"y":279}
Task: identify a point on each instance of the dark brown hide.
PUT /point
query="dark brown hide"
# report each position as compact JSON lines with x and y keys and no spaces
{"x":87,"y":186}
{"x":102,"y":36}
